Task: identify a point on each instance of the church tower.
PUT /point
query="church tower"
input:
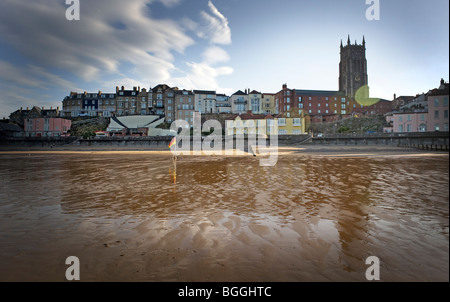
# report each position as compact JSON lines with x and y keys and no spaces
{"x":352,"y":68}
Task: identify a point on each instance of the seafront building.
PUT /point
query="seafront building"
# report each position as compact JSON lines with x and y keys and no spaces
{"x":427,"y":112}
{"x":205,"y":101}
{"x":46,"y":127}
{"x":239,"y":102}
{"x":261,"y":124}
{"x":184,"y":102}
{"x":424,"y":113}
{"x":438,"y":108}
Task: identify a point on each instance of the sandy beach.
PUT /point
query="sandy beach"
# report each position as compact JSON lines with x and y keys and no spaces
{"x":132,"y":215}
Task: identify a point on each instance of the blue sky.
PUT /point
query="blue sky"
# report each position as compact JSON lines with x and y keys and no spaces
{"x":222,"y":45}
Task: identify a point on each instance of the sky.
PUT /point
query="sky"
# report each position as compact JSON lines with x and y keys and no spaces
{"x":222,"y":45}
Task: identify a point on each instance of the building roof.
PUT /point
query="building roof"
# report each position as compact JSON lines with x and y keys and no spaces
{"x":132,"y":122}
{"x":443,"y":90}
{"x":255,"y":92}
{"x":183,"y":92}
{"x":251,"y":116}
{"x":204,"y":92}
{"x":10,"y":127}
{"x":239,"y":92}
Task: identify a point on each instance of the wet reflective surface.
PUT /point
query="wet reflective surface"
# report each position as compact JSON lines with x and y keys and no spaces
{"x":142,"y":217}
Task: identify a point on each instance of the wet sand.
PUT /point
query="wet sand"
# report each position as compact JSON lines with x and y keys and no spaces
{"x":137,"y":216}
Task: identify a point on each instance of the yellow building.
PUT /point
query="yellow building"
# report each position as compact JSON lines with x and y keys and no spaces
{"x":266,"y":125}
{"x":268,"y":103}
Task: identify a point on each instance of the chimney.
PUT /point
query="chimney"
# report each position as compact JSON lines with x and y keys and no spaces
{"x":117,"y":89}
{"x":123,"y":88}
{"x":20,"y":108}
{"x":99,"y":92}
{"x":51,"y":107}
{"x":57,"y":108}
{"x":395,"y":96}
{"x":284,"y":86}
{"x":134,"y":88}
{"x":139,"y":88}
{"x":27,"y":108}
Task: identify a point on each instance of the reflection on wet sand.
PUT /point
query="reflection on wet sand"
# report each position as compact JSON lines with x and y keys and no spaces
{"x":150,"y":218}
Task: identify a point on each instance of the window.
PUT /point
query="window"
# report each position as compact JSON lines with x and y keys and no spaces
{"x":300,"y":99}
{"x":169,"y":108}
{"x":282,"y":121}
{"x":445,"y":101}
{"x":409,"y":118}
{"x":309,"y":104}
{"x":288,"y":100}
{"x":343,"y":112}
{"x":400,"y":128}
{"x":436,"y":102}
{"x":445,"y":113}
{"x":408,"y":128}
{"x":422,"y":117}
{"x":310,"y":111}
{"x":343,"y":106}
{"x":169,"y":101}
{"x":436,"y":114}
{"x":319,"y":105}
{"x":445,"y":127}
{"x":300,"y":105}
{"x":343,"y":100}
{"x":326,"y":111}
{"x":326,"y":105}
{"x":400,"y":118}
{"x":436,"y":127}
{"x":310,"y":98}
{"x":297,"y":122}
{"x":422,"y":128}
{"x":318,"y":111}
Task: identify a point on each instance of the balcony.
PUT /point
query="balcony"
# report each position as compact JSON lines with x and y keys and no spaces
{"x":240,"y":102}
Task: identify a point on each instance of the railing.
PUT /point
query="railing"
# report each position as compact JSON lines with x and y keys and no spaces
{"x":384,"y":135}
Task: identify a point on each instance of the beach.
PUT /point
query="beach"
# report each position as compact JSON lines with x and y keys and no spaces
{"x":134,"y":215}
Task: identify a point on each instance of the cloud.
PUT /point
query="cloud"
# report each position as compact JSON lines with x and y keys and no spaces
{"x":216,"y":28}
{"x":214,"y":55}
{"x":94,"y":45}
{"x":114,"y":41}
{"x":170,"y":3}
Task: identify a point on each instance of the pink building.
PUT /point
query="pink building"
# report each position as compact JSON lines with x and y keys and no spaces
{"x":410,"y":122}
{"x":438,"y":108}
{"x":39,"y":127}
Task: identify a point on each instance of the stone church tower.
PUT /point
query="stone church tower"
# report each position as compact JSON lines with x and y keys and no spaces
{"x":352,"y":68}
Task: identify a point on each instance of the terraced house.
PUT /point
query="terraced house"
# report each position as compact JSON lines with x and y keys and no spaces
{"x":89,"y":104}
{"x":184,"y":102}
{"x":205,"y":101}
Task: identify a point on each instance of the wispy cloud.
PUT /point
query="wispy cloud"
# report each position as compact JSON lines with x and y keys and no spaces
{"x":114,"y":41}
{"x":216,"y":28}
{"x":204,"y":74}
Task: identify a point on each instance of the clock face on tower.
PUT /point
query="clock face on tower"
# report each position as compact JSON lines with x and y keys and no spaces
{"x":357,"y":78}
